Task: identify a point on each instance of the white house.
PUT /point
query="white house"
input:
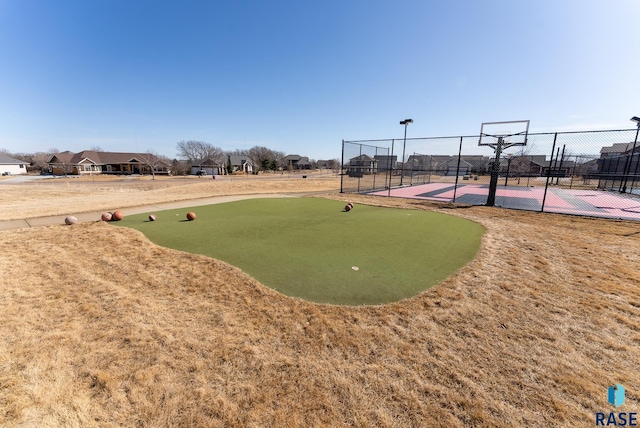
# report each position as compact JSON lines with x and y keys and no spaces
{"x":10,"y":166}
{"x":240,"y":163}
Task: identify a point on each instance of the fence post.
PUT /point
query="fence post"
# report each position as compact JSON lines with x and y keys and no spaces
{"x":546,"y":186}
{"x":635,"y":173}
{"x":455,"y":187}
{"x":391,"y":166}
{"x":561,"y":162}
{"x":621,"y":177}
{"x":495,"y":172}
{"x":361,"y":166}
{"x":341,"y":168}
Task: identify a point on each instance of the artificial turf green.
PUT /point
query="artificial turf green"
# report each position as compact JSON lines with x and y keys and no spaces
{"x":307,"y":247}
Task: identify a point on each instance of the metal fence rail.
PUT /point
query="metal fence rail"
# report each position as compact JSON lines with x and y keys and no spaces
{"x":597,"y":169}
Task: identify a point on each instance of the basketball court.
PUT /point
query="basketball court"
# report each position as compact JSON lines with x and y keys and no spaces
{"x":503,"y":135}
{"x":594,"y":203}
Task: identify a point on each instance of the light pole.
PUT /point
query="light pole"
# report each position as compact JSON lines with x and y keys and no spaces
{"x":635,"y":119}
{"x":406,"y":123}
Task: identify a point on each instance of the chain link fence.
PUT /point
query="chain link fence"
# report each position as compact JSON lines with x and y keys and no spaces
{"x":586,"y":168}
{"x":367,"y":167}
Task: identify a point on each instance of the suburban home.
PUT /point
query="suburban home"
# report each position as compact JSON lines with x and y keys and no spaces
{"x":587,"y":168}
{"x":619,"y":165}
{"x":386,"y":163}
{"x":10,"y":166}
{"x":453,"y":165}
{"x":618,"y":149}
{"x":616,"y":159}
{"x":362,"y":165}
{"x":92,"y":162}
{"x":240,"y":163}
{"x":479,"y":164}
{"x":208,"y":166}
{"x":448,"y":164}
{"x":324,"y":164}
{"x":293,"y":162}
{"x":539,"y":166}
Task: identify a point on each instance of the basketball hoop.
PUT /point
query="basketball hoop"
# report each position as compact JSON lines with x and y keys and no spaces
{"x":500,"y":136}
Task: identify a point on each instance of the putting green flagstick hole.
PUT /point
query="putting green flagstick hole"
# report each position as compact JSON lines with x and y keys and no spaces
{"x":302,"y":247}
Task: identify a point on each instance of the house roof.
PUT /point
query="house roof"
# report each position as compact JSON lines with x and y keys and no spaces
{"x":540,"y":160}
{"x":454,"y":163}
{"x":6,"y":160}
{"x":292,"y":158}
{"x":239,"y":160}
{"x":208,"y":162}
{"x":617,"y":148}
{"x":545,"y":163}
{"x":62,"y":157}
{"x":101,"y":158}
{"x":363,"y":157}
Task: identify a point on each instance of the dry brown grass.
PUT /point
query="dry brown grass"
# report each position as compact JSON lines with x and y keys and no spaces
{"x":100,"y":327}
{"x":99,"y":193}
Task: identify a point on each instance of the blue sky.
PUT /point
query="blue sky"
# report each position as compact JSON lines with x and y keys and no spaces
{"x":300,"y":76}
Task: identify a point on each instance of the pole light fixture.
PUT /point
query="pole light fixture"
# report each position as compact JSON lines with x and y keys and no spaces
{"x":406,"y":123}
{"x":635,"y":119}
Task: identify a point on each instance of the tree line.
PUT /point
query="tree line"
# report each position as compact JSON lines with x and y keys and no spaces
{"x":188,"y":153}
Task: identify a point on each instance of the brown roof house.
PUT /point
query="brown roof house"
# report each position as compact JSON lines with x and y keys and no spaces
{"x":93,"y":162}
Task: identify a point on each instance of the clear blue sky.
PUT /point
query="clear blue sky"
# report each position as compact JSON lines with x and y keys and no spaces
{"x":299,"y":76}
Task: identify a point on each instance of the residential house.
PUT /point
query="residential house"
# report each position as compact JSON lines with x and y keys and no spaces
{"x":386,"y":163}
{"x":453,"y":167}
{"x":208,"y":166}
{"x":587,"y":169}
{"x":619,"y":165}
{"x":240,"y":163}
{"x":362,"y":165}
{"x":324,"y":164}
{"x":539,"y":166}
{"x":10,"y":166}
{"x":94,"y":162}
{"x":479,"y":163}
{"x":618,"y":149}
{"x":447,"y":164}
{"x":296,"y":162}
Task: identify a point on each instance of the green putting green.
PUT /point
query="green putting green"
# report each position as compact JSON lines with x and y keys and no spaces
{"x":312,"y":249}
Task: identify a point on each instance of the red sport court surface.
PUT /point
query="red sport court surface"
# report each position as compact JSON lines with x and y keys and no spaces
{"x":594,"y":203}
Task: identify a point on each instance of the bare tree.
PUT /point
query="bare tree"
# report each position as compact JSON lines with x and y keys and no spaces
{"x":38,"y":161}
{"x":265,"y":159}
{"x":179,"y":167}
{"x":153,"y":160}
{"x":238,"y":152}
{"x":198,"y":150}
{"x":521,"y":161}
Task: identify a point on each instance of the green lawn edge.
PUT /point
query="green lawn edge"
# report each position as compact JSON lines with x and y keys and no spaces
{"x":310,"y":248}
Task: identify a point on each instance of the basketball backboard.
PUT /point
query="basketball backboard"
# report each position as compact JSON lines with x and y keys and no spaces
{"x":507,"y":134}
